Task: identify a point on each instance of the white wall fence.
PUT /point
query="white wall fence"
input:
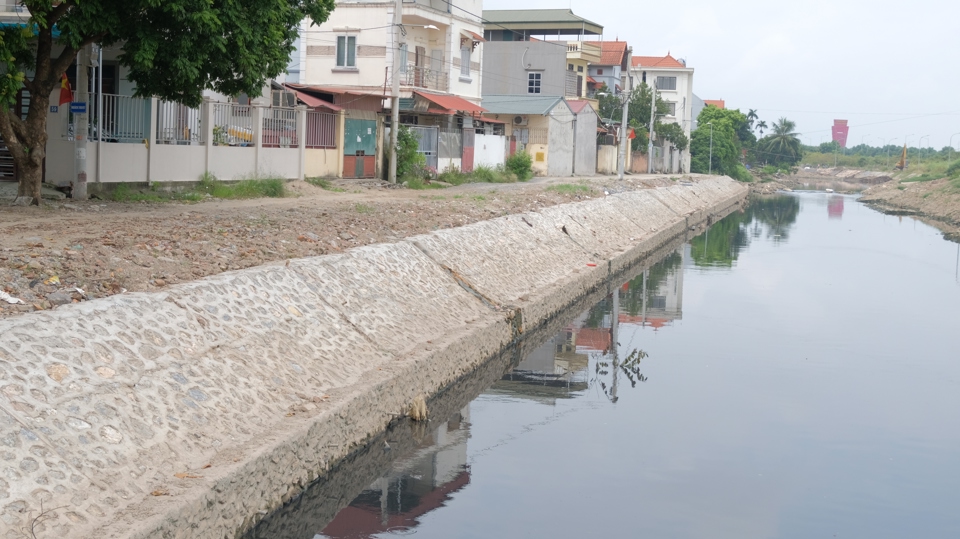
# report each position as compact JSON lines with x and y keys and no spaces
{"x":140,"y":140}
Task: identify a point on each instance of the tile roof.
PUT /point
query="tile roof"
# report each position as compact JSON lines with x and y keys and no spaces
{"x":657,"y":61}
{"x":520,"y":104}
{"x":451,"y":102}
{"x":719,"y":103}
{"x":612,"y":52}
{"x":577,"y":105}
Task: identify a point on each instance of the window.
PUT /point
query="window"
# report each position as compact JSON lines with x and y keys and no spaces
{"x":533,"y":83}
{"x":346,"y":51}
{"x":599,"y":72}
{"x":671,"y":108}
{"x":403,"y":58}
{"x":579,"y":69}
{"x":666,"y":83}
{"x":569,"y":67}
{"x":465,"y":62}
{"x":644,"y":77}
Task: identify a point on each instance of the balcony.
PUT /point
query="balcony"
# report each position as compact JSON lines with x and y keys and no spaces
{"x":583,"y":50}
{"x":425,"y":78}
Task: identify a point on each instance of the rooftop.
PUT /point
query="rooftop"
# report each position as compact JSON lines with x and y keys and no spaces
{"x":658,"y":61}
{"x":520,"y":104}
{"x":540,"y":21}
{"x":612,"y":53}
{"x":719,"y":103}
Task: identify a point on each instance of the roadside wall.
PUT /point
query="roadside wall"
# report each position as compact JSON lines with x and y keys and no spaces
{"x":186,"y":413}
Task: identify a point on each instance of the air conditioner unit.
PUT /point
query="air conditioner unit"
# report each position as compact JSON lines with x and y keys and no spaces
{"x":519,"y":120}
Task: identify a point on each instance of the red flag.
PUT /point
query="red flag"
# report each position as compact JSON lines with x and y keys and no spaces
{"x":66,"y":93}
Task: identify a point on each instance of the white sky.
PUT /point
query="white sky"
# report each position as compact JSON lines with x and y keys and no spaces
{"x":891,"y":68}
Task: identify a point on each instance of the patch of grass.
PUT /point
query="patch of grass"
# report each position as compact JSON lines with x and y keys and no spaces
{"x":418,"y":183}
{"x":457,"y":196}
{"x":570,"y":188}
{"x":123,"y":192}
{"x":453,"y":176}
{"x":250,"y":188}
{"x":479,"y":198}
{"x":325,"y":184}
{"x":363,"y":208}
{"x":925,"y":177}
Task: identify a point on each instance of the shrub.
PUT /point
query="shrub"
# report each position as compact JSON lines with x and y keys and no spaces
{"x":409,"y":159}
{"x":453,"y":176}
{"x":953,"y":170}
{"x":520,"y":164}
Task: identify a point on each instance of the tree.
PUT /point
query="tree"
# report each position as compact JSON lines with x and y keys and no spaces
{"x":751,"y":117}
{"x":174,"y":49}
{"x":731,"y":134}
{"x":782,"y":146}
{"x":761,"y":125}
{"x":638,"y":117}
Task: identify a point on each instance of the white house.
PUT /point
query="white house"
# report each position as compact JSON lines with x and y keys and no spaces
{"x":674,"y":83}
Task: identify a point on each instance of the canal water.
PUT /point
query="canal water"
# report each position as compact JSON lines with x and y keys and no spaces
{"x":792,"y":373}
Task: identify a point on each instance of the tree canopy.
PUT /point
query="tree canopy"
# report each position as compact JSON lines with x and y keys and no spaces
{"x":731,"y":132}
{"x":782,"y":146}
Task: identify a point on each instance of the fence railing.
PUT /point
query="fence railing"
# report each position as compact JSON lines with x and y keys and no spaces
{"x":280,"y":127}
{"x":122,"y":119}
{"x":178,"y":124}
{"x":422,"y":77}
{"x":321,"y":130}
{"x":232,"y":124}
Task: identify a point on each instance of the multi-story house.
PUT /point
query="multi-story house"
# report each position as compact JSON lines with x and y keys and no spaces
{"x":535,"y":76}
{"x":674,"y":84}
{"x":611,"y":67}
{"x":349,"y":61}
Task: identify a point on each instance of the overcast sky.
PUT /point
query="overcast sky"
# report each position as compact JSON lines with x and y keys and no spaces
{"x":891,"y":68}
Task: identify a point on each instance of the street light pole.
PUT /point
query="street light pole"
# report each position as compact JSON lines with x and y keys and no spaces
{"x":886,"y":146}
{"x":920,"y":148}
{"x":863,"y":137}
{"x":653,"y":116}
{"x":951,"y":141}
{"x":710,"y":166}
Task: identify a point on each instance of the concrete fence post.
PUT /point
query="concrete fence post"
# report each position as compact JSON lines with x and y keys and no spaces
{"x":206,"y":115}
{"x":341,"y":139}
{"x":152,"y":135}
{"x":257,"y":137}
{"x":302,"y":140}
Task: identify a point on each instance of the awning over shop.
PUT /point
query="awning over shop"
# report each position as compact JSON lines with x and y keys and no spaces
{"x":473,"y":36}
{"x":314,"y":102}
{"x":452,"y":103}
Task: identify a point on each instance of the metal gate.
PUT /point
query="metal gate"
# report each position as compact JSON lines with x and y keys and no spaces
{"x":469,"y":142}
{"x":359,"y":148}
{"x":429,"y":142}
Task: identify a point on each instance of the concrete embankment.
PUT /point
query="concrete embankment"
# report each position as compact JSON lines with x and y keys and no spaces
{"x":189,"y":413}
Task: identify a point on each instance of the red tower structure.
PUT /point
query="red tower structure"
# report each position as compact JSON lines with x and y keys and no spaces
{"x":840,"y":131}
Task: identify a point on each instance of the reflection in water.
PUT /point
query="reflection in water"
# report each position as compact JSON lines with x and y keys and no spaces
{"x":835,"y":207}
{"x":770,"y":216}
{"x":414,"y":486}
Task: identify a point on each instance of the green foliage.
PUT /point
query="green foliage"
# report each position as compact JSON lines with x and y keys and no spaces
{"x":953,"y":171}
{"x":453,"y":176}
{"x":638,"y":117}
{"x":410,"y":162}
{"x":571,"y":188}
{"x":829,"y":147}
{"x":521,"y":165}
{"x":249,"y":188}
{"x":728,"y":126}
{"x":363,"y":208}
{"x":782,"y":145}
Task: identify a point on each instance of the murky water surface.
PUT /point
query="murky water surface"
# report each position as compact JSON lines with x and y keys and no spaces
{"x":794,"y":373}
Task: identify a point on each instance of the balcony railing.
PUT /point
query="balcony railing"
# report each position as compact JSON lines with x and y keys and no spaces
{"x":422,"y":77}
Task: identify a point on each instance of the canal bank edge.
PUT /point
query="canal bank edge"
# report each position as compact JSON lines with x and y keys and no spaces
{"x":193,"y":412}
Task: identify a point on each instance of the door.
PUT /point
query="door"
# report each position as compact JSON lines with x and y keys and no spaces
{"x":469,"y":142}
{"x":420,"y":61}
{"x":359,"y":148}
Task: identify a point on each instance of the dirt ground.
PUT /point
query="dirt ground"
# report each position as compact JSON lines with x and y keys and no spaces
{"x":72,"y":251}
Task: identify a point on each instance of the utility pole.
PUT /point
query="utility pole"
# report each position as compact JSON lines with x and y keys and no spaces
{"x":710,"y":162}
{"x":395,"y":91}
{"x":624,"y":128}
{"x":653,"y":116}
{"x":82,"y":125}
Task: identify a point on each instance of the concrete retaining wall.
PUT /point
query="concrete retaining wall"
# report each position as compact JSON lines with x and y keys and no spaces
{"x":186,"y":413}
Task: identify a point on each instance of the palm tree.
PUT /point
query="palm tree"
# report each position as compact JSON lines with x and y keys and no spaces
{"x":761,"y":125}
{"x":752,"y":117}
{"x":783,"y":144}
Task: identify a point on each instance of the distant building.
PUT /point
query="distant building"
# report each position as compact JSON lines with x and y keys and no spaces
{"x":719,"y":103}
{"x":840,"y":131}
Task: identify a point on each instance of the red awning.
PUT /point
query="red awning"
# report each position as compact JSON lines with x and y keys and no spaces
{"x":492,"y":121}
{"x":473,"y":36}
{"x":452,"y":103}
{"x":314,"y":102}
{"x":591,"y":80}
{"x":441,"y":111}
